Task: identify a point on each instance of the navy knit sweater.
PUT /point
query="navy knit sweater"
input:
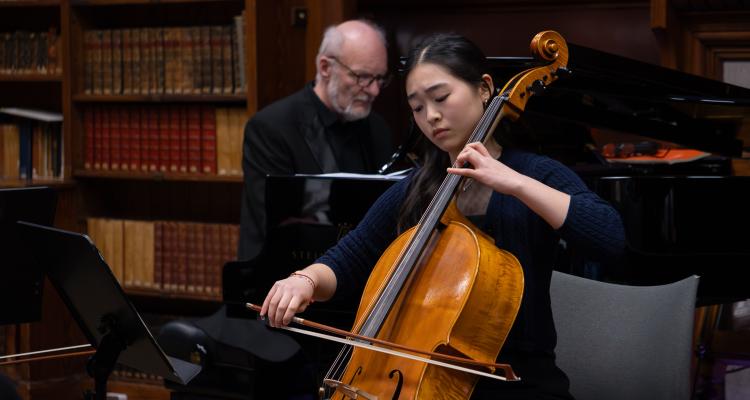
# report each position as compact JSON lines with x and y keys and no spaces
{"x":592,"y":227}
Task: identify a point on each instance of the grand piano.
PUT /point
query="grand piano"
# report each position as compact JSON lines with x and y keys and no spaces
{"x":681,"y":218}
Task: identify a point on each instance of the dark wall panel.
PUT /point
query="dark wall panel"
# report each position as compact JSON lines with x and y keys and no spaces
{"x":504,"y":29}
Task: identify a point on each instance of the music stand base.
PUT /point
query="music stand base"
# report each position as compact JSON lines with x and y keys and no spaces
{"x":102,"y":363}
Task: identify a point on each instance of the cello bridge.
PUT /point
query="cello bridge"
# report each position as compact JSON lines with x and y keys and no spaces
{"x":348,"y":390}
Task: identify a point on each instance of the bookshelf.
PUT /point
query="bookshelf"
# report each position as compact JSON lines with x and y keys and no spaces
{"x":35,"y":76}
{"x":32,"y":69}
{"x":171,"y":193}
{"x":148,"y":82}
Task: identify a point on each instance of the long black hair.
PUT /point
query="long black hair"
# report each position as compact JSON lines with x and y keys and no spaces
{"x":464,"y":60}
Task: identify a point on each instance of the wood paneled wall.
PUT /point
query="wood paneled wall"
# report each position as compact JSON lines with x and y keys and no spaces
{"x":698,"y":38}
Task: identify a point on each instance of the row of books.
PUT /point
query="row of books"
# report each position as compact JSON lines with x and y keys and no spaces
{"x":123,"y":373}
{"x":31,"y":150}
{"x":165,"y":60}
{"x":25,"y":52}
{"x":165,"y":138}
{"x":167,"y":256}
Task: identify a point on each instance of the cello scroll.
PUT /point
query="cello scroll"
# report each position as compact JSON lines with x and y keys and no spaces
{"x":549,"y":46}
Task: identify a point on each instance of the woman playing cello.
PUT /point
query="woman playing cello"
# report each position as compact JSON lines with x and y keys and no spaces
{"x":526,"y":202}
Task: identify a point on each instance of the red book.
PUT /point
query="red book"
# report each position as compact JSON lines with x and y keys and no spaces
{"x":153,"y":139}
{"x":183,"y":139}
{"x":208,"y":140}
{"x":88,"y":128}
{"x":105,"y":135}
{"x":162,"y":138}
{"x":135,"y":139}
{"x":97,"y":136}
{"x":115,"y":135}
{"x":173,"y":137}
{"x":194,"y":139}
{"x":124,"y":138}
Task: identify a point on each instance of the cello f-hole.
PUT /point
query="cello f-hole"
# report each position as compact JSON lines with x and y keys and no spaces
{"x":400,"y":383}
{"x":354,"y":375}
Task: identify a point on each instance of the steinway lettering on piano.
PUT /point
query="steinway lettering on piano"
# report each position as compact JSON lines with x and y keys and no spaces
{"x":305,"y":255}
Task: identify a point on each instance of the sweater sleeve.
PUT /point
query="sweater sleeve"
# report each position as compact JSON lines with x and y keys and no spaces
{"x":354,"y":256}
{"x":592,"y":224}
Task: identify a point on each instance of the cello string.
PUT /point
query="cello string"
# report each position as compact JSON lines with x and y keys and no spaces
{"x":424,"y":230}
{"x":337,"y":368}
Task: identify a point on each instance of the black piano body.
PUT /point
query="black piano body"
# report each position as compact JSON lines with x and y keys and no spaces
{"x":305,"y":215}
{"x":682,"y":225}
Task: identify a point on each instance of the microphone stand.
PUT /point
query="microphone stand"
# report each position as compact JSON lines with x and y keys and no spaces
{"x":411,"y":140}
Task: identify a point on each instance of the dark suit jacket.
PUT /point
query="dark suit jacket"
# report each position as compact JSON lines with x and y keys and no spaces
{"x":292,"y":136}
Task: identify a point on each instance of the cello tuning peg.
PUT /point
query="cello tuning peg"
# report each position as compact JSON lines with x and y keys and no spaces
{"x":562,"y":72}
{"x":536,"y":87}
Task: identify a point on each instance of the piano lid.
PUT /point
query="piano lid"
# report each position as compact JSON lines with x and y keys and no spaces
{"x":604,"y":90}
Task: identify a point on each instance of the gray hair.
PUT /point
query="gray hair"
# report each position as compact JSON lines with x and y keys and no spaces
{"x":333,"y":40}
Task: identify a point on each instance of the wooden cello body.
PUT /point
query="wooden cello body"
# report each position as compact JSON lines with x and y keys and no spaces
{"x":443,"y":286}
{"x":450,"y":307}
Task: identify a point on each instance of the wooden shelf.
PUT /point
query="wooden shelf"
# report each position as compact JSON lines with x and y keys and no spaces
{"x":154,"y":302}
{"x":18,"y":183}
{"x":157,"y":176}
{"x":161,"y":98}
{"x":147,"y":2}
{"x":161,"y":294}
{"x":34,"y":77}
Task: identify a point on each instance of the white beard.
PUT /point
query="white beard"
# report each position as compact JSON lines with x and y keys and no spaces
{"x":347,"y":113}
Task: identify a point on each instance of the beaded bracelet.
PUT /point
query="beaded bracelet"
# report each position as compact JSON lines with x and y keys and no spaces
{"x":312,"y":282}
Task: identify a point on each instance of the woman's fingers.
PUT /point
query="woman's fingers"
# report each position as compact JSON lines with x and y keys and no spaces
{"x":467,"y":172}
{"x":282,"y":310}
{"x":286,"y":298}
{"x":296,"y":305}
{"x":267,"y":301}
{"x":480,"y":148}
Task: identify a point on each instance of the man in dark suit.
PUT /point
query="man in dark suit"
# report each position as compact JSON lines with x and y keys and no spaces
{"x":325,"y":127}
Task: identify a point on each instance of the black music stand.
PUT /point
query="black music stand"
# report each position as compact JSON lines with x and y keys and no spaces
{"x":22,"y":280}
{"x":97,"y":302}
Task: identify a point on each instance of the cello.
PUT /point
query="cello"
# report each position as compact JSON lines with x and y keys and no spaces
{"x":433,"y":289}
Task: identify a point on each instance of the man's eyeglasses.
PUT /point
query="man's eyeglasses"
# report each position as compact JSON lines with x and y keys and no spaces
{"x":365,"y":80}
